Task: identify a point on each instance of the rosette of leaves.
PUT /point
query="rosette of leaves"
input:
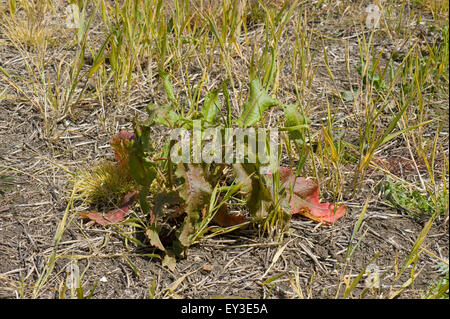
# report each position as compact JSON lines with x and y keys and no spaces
{"x":196,"y":182}
{"x":198,"y":193}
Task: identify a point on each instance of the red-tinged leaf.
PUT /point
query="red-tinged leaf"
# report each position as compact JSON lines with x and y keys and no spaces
{"x":113,"y":216}
{"x":225,"y":219}
{"x":129,"y":199}
{"x":123,"y":135}
{"x":305,"y":201}
{"x":305,"y":198}
{"x":196,"y":190}
{"x":122,"y":143}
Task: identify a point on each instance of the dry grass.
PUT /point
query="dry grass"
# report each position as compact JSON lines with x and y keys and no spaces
{"x":65,"y":91}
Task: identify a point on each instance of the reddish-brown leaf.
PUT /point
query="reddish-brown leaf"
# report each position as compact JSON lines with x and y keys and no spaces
{"x":225,"y":219}
{"x":305,"y":198}
{"x":113,"y":216}
{"x":305,"y":201}
{"x":196,"y":192}
{"x":122,"y":142}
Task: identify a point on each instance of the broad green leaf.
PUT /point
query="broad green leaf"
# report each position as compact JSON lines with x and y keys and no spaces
{"x":145,"y":206}
{"x":188,"y":229}
{"x":165,"y":198}
{"x":295,"y":122}
{"x":162,"y":114}
{"x":168,"y":86}
{"x":242,"y":177}
{"x":211,"y":107}
{"x":142,"y":169}
{"x":257,"y":104}
{"x":257,"y":196}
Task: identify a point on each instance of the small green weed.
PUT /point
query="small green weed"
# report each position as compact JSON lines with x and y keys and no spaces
{"x":439,"y":289}
{"x":414,"y":202}
{"x":372,"y":75}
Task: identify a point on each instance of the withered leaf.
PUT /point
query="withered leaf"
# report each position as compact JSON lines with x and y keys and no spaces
{"x":196,"y":192}
{"x":224,"y":219}
{"x":152,"y":234}
{"x":169,"y":261}
{"x":304,"y":199}
{"x":113,"y":216}
{"x":122,"y":144}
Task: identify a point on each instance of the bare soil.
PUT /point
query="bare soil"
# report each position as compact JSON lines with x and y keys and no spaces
{"x":231,"y":265}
